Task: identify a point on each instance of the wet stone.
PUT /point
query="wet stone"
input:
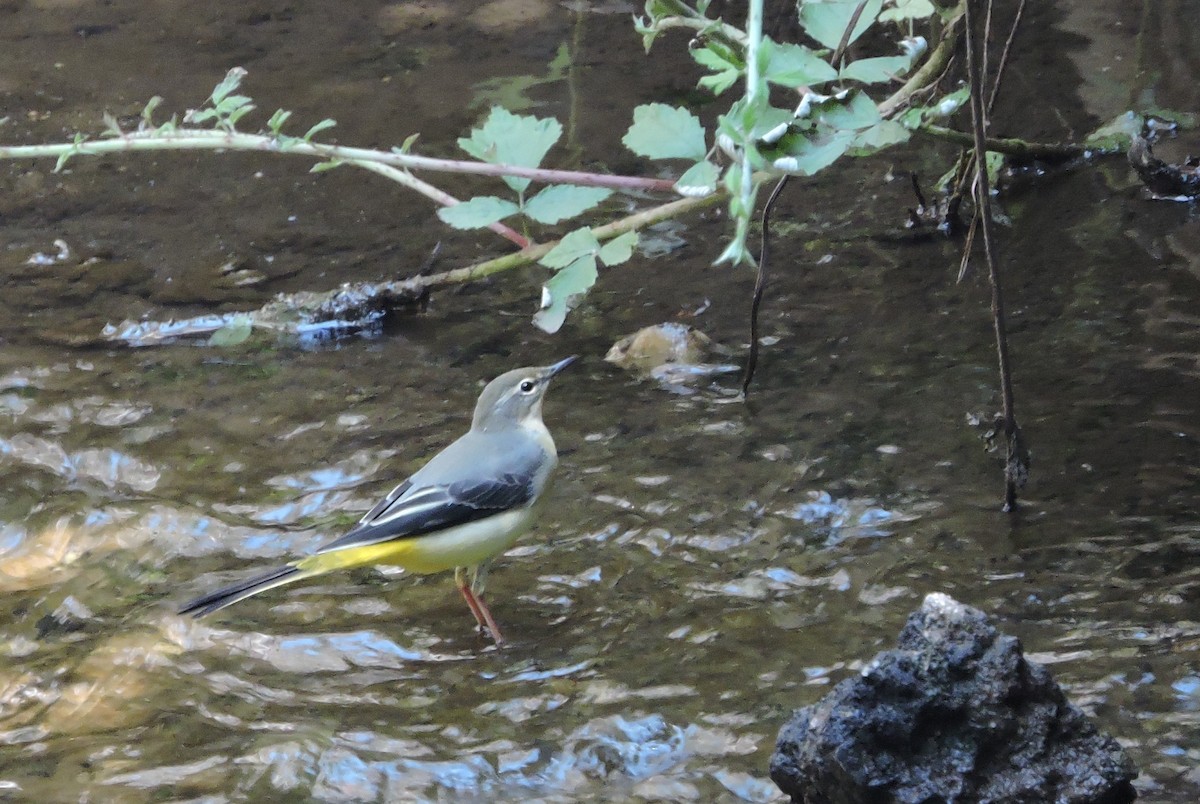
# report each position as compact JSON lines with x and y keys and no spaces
{"x":954,"y":714}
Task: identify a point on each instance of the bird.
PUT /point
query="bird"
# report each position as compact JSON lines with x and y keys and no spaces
{"x":460,"y":510}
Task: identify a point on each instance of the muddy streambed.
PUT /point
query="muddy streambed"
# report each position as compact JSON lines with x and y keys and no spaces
{"x":704,"y":565}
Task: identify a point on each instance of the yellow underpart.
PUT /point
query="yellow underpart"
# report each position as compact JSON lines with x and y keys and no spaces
{"x":462,"y":546}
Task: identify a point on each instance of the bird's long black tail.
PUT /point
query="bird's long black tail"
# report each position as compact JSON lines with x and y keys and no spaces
{"x":229,"y":595}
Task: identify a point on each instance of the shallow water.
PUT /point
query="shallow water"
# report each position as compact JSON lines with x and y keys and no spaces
{"x":704,"y":565}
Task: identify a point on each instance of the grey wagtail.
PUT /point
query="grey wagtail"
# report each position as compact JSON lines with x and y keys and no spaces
{"x":460,"y":510}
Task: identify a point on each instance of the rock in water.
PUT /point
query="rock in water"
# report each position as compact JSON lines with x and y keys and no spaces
{"x":954,"y":714}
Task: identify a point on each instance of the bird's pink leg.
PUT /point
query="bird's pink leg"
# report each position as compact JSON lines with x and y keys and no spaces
{"x":478,"y":608}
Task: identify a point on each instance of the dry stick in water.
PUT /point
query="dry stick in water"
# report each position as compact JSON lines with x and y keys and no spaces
{"x":760,"y":284}
{"x":760,"y":281}
{"x":1016,"y":467}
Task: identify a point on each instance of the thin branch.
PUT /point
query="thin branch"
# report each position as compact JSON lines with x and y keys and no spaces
{"x":1016,"y":466}
{"x":188,"y":139}
{"x":638,"y":220}
{"x":760,"y":284}
{"x":1013,"y":146}
{"x":1012,"y":34}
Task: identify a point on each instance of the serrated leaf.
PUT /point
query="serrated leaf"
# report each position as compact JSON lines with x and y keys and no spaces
{"x":235,"y":331}
{"x":564,"y":291}
{"x":877,"y":70}
{"x":792,"y":65}
{"x":698,"y":180}
{"x":231,"y":104}
{"x":806,"y":156}
{"x":559,"y":201}
{"x":228,"y":84}
{"x":318,"y":128}
{"x":883,"y":134}
{"x":619,"y":249}
{"x":509,"y":139}
{"x":719,"y":82}
{"x":908,"y":10}
{"x":827,"y":20}
{"x":857,"y":112}
{"x":570,"y":248}
{"x":478,"y":212}
{"x":715,"y":59}
{"x":665,"y":132}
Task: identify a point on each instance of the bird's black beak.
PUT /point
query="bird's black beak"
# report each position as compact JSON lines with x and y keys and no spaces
{"x":560,"y":365}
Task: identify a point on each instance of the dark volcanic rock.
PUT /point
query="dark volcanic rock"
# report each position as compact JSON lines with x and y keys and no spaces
{"x":955,"y":714}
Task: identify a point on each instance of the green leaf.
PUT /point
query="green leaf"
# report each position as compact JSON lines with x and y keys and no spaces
{"x":235,"y":331}
{"x":877,"y":70}
{"x":698,"y":180}
{"x":716,"y":57}
{"x":559,"y":201}
{"x":665,"y":132}
{"x":318,"y":128}
{"x":794,"y":66}
{"x":229,"y":83}
{"x":148,"y":111}
{"x":509,"y":139}
{"x":328,"y":164}
{"x":827,"y":20}
{"x":619,"y":249}
{"x":994,"y":162}
{"x":719,"y":82}
{"x":857,"y":113}
{"x":564,"y":291}
{"x":946,"y":106}
{"x":409,"y":142}
{"x":806,"y":156}
{"x":908,"y":10}
{"x":112,"y":127}
{"x":883,"y":134}
{"x":570,"y":248}
{"x":275,"y":124}
{"x":478,"y":212}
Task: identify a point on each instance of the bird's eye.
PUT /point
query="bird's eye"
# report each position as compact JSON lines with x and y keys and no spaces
{"x":527,"y":386}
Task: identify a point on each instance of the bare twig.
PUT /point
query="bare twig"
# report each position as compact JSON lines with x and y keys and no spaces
{"x":1016,"y":465}
{"x":1012,"y":34}
{"x":760,"y":284}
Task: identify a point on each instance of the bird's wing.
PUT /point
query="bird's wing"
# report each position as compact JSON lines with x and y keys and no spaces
{"x":411,"y":511}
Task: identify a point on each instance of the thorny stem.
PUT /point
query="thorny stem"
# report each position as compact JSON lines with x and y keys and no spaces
{"x":638,"y":220}
{"x":684,"y":16}
{"x":189,"y":139}
{"x":1015,"y":466}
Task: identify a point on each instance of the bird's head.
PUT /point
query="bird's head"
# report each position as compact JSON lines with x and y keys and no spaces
{"x":514,"y":399}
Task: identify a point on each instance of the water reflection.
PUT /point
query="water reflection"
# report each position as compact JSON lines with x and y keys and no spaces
{"x":703,"y":564}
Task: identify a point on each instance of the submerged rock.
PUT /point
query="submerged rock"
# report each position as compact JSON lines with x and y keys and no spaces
{"x":954,"y":714}
{"x":671,"y":353}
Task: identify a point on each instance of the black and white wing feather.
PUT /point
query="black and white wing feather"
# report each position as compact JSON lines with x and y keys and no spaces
{"x":417,"y":511}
